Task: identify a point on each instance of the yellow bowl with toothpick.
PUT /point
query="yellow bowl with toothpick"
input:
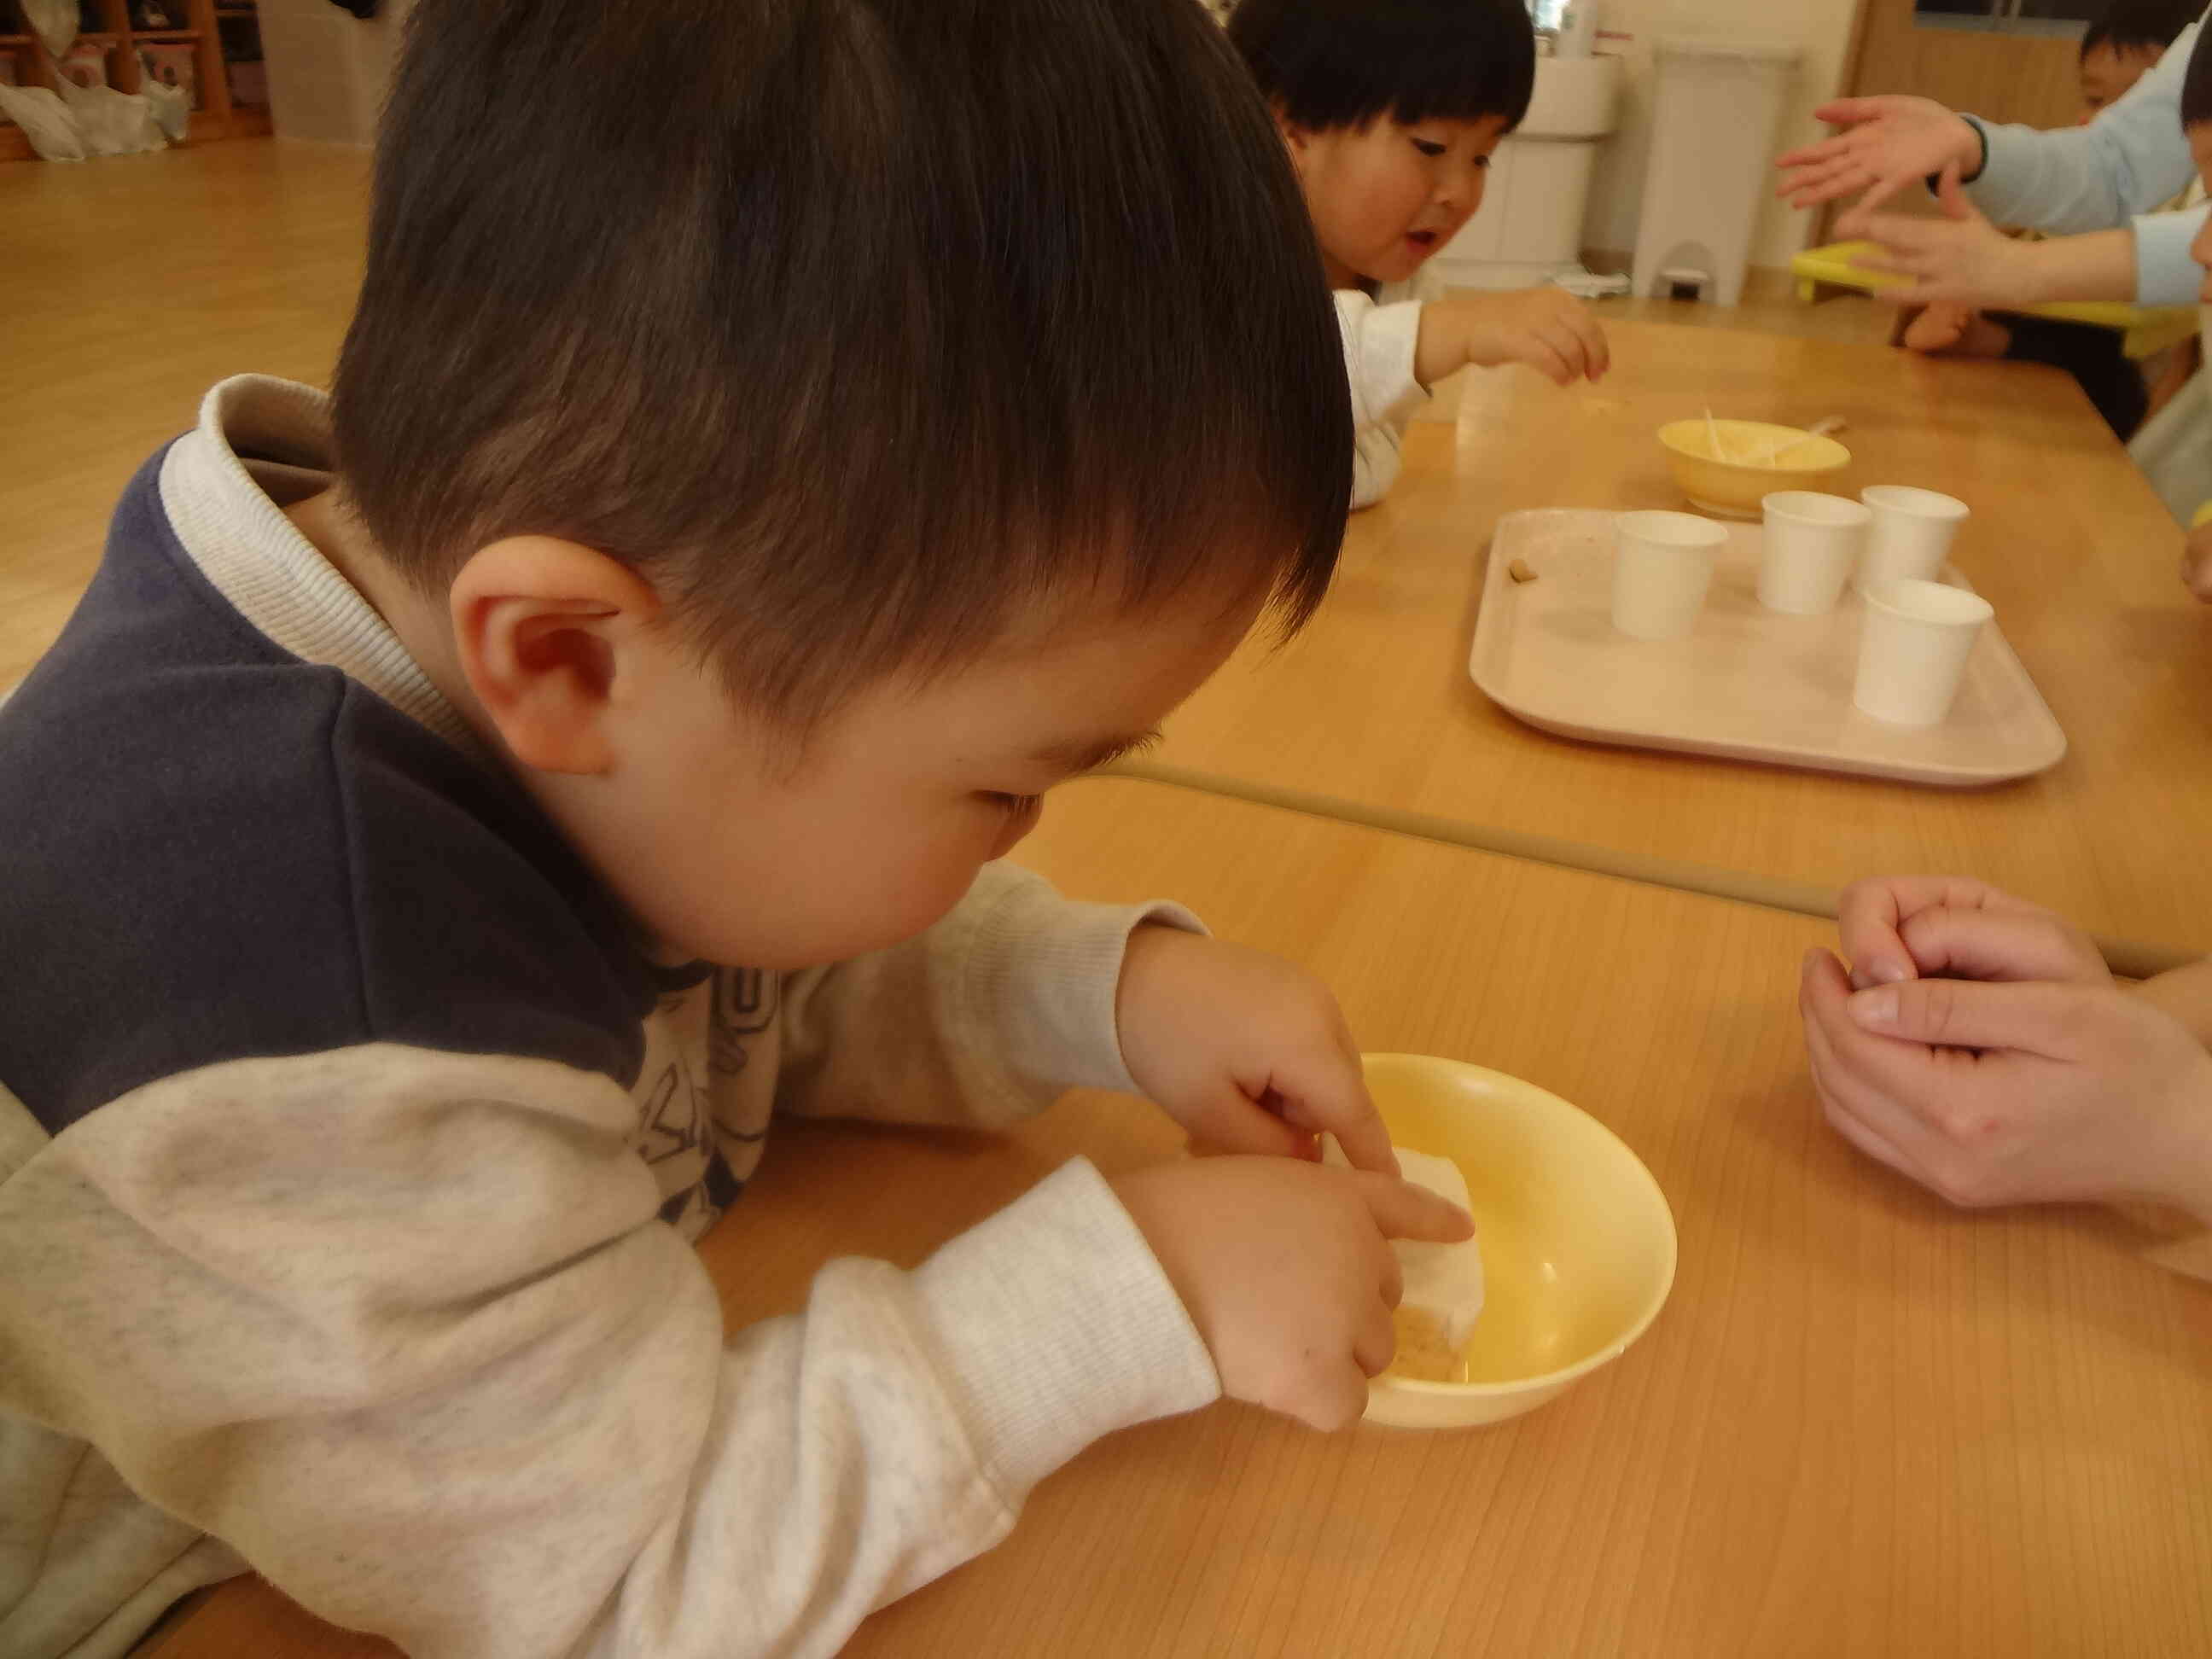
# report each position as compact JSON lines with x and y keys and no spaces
{"x":1728,"y":467}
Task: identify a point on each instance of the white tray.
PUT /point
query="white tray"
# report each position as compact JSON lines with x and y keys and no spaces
{"x":1748,"y":682}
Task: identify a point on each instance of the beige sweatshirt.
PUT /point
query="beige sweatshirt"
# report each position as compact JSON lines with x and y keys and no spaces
{"x":350,"y":1157}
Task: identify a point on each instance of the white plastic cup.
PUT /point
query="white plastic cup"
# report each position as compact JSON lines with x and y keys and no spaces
{"x":1813,"y":543}
{"x":1663,"y":564}
{"x":1910,"y":535}
{"x":1913,"y":649}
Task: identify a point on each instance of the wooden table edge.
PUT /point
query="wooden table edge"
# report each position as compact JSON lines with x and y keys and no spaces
{"x":2129,"y":958}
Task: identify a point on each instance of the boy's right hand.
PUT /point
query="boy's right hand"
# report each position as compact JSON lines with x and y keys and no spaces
{"x":1287,"y":1271}
{"x":1546,"y":328}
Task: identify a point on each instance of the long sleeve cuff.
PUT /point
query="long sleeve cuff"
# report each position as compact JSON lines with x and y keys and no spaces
{"x":2166,"y":272}
{"x":1045,"y":971}
{"x":1058,"y":1326}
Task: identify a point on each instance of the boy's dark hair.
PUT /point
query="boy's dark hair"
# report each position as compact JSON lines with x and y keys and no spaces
{"x":859,"y":327}
{"x":2197,"y":85}
{"x":2128,"y":26}
{"x":1326,"y":63}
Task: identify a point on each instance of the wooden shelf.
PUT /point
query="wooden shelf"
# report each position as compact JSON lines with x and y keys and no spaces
{"x":161,"y":36}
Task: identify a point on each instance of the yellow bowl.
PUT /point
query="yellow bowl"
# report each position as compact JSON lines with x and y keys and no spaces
{"x":1733,"y":487}
{"x":1578,"y":1241}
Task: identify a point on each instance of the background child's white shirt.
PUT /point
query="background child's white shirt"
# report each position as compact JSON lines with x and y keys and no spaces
{"x":1381,"y":334}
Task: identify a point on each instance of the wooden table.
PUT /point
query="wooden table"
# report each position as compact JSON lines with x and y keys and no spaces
{"x":1370,"y":715}
{"x":1864,"y":1424}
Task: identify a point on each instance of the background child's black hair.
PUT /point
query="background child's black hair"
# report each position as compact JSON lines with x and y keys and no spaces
{"x":2197,"y":85}
{"x":2140,"y":25}
{"x":865,"y":329}
{"x":1326,"y":63}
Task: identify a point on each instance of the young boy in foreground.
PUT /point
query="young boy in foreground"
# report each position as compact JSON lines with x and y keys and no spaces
{"x":1390,"y":110}
{"x":775,"y":444}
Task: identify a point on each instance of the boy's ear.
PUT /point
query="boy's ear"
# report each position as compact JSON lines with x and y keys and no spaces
{"x":1296,"y":138}
{"x":552,"y":636}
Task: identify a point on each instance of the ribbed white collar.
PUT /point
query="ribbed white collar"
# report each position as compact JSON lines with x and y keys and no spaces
{"x":225,"y":509}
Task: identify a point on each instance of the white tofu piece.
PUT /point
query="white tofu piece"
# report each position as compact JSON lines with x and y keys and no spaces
{"x":1442,"y":1281}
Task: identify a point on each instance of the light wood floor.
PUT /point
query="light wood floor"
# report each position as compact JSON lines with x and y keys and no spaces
{"x":132,"y":285}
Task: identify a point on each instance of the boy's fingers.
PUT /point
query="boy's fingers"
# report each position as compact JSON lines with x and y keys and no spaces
{"x":1401,"y":1209}
{"x":1231,"y":1122}
{"x":1336,"y":1400}
{"x":1567,"y":346}
{"x":1327,"y":1094}
{"x":1376,"y":1344}
{"x":1599,"y":348}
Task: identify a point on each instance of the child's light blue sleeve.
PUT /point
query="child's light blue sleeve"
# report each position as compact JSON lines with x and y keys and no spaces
{"x":2123,"y":164}
{"x":2166,"y":272}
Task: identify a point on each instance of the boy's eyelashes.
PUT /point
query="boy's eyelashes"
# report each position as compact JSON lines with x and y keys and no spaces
{"x":1428,"y":147}
{"x":1013,"y":805}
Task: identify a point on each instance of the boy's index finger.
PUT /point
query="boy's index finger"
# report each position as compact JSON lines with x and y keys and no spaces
{"x":1359,"y":1130}
{"x":1402,"y":1210}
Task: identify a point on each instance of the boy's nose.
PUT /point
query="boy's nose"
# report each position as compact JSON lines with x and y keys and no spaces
{"x":1019,"y":823}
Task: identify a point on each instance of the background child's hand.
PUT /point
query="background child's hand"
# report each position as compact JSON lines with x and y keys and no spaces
{"x":1546,"y":328}
{"x":1899,"y":927}
{"x":1287,"y":1271}
{"x":1247,"y":1052}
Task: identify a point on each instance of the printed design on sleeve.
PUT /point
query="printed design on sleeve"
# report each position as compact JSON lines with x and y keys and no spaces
{"x":745,"y":1006}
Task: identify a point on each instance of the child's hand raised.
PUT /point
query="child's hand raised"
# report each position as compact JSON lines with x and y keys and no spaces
{"x":1247,"y":1052}
{"x":1546,"y":328}
{"x":1287,"y":1271}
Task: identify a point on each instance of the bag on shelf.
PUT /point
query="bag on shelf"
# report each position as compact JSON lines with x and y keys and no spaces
{"x":44,"y":122}
{"x":111,"y":123}
{"x":171,"y":108}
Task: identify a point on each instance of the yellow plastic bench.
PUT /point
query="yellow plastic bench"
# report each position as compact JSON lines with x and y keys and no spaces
{"x":1822,"y":272}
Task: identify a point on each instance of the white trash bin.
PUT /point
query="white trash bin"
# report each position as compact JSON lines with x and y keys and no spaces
{"x":1712,"y":155}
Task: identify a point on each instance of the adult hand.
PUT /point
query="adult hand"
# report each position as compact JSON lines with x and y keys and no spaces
{"x":1887,"y":143}
{"x":1960,"y":259}
{"x":2004,"y":1093}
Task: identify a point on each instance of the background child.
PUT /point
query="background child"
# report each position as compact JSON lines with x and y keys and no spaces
{"x":460,"y":816}
{"x":2117,"y":50}
{"x":1390,"y":110}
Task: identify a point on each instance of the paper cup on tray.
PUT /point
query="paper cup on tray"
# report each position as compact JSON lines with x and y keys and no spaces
{"x":1910,"y":534}
{"x":1662,"y":565}
{"x":1812,"y":545}
{"x":1914,"y":651}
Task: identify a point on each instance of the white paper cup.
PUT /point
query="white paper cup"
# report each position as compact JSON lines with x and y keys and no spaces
{"x":1913,"y":649}
{"x":1663,"y":564}
{"x":1813,"y":543}
{"x":1910,"y":535}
